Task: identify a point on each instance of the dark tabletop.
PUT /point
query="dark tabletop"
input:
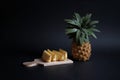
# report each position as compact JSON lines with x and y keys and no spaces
{"x":39,"y":24}
{"x":101,"y":66}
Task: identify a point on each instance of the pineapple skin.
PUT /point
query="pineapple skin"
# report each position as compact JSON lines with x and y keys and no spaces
{"x":81,"y":52}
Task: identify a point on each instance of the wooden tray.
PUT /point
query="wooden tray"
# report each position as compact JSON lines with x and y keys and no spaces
{"x":40,"y":62}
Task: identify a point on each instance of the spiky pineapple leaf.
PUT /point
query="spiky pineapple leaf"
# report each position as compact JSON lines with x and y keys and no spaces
{"x":85,"y":31}
{"x":83,"y":24}
{"x":94,"y":35}
{"x":94,"y":22}
{"x":73,"y":22}
{"x":93,"y":25}
{"x":78,"y":18}
{"x":83,"y":18}
{"x":76,"y":21}
{"x":88,"y":18}
{"x":86,"y":35}
{"x":81,"y":39}
{"x":96,"y":30}
{"x":77,"y":36}
{"x":80,"y":28}
{"x":69,"y":31}
{"x":69,"y":21}
{"x":87,"y":38}
{"x":91,"y":33}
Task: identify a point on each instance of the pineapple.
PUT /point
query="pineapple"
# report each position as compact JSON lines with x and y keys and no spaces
{"x":79,"y":29}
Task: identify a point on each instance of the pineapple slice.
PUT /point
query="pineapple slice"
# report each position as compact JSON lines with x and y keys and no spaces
{"x":46,"y":56}
{"x":54,"y":57}
{"x":50,"y":56}
{"x":60,"y":56}
{"x":64,"y":53}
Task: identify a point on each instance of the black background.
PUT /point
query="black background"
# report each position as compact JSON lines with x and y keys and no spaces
{"x":27,"y":27}
{"x":35,"y":25}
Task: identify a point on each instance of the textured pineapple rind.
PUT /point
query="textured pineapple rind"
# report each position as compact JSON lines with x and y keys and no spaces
{"x":81,"y":52}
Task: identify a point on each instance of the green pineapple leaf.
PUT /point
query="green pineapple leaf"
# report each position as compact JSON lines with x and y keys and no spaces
{"x":86,"y":35}
{"x":88,"y":18}
{"x":87,"y":38}
{"x":77,"y":36}
{"x":81,"y":38}
{"x":69,"y":31}
{"x":93,"y":25}
{"x":96,"y":30}
{"x":73,"y":22}
{"x":78,"y":19}
{"x":81,"y":28}
{"x":69,"y":21}
{"x":94,"y":35}
{"x":94,"y":22}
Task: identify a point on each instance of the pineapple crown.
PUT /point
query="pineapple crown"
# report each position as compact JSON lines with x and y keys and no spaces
{"x":81,"y":28}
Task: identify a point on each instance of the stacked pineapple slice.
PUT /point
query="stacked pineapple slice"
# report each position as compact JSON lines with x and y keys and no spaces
{"x":54,"y":55}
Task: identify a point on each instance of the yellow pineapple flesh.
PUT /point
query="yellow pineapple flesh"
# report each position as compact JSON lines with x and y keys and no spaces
{"x":81,"y":52}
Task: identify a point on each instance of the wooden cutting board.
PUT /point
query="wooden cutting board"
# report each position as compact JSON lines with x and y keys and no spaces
{"x":40,"y":62}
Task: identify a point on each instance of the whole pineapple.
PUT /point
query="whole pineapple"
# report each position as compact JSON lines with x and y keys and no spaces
{"x":80,"y":29}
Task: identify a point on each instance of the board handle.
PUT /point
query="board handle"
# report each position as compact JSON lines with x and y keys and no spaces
{"x":30,"y":64}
